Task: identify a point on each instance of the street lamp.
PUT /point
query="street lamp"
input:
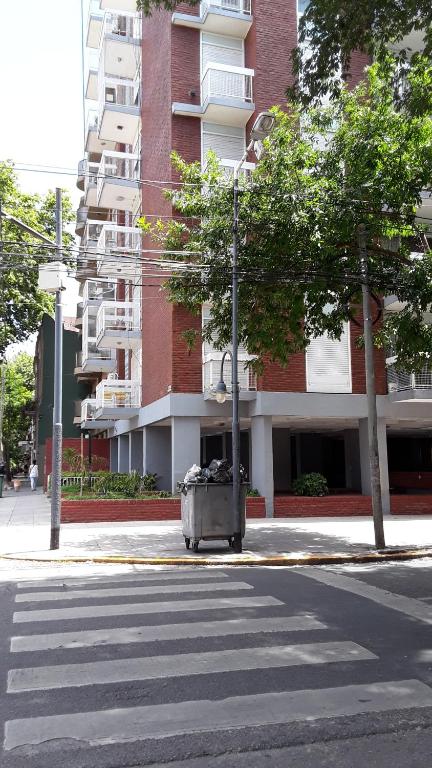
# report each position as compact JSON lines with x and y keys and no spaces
{"x":221,"y":390}
{"x":261,"y":128}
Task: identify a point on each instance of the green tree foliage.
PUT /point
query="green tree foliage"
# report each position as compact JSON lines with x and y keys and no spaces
{"x":333,"y":29}
{"x":21,"y":303}
{"x":299,"y":213}
{"x":147,"y":6}
{"x":19,"y":396}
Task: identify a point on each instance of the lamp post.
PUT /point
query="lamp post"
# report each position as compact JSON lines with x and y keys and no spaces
{"x":261,"y":129}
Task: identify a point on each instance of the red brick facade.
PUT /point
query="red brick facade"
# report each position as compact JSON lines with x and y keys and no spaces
{"x":100,"y":447}
{"x":171,"y":67}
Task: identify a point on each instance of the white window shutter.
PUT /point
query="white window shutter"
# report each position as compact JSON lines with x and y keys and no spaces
{"x":328,"y":364}
{"x":217,"y":49}
{"x":226,"y":147}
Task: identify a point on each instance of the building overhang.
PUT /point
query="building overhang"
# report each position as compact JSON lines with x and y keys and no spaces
{"x":220,"y":110}
{"x":219,"y":21}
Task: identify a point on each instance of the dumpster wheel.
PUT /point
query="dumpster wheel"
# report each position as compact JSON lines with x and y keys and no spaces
{"x":187,"y":542}
{"x":195,"y":546}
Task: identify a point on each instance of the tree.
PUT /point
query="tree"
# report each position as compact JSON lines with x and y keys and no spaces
{"x":147,"y":6}
{"x":21,"y":303}
{"x":361,"y":160}
{"x":19,"y":395}
{"x":333,"y":29}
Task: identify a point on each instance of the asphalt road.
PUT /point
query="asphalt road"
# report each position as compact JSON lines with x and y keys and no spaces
{"x":217,"y":667}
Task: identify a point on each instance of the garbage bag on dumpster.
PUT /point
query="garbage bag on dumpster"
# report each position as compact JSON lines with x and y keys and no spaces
{"x":220,"y":471}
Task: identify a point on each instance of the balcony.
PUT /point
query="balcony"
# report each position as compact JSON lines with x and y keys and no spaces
{"x":90,"y":183}
{"x":79,"y":314}
{"x":119,"y":251}
{"x":81,"y":374}
{"x":87,"y":418}
{"x":222,"y":17}
{"x":118,"y":324}
{"x":228,"y":166}
{"x":117,"y":399}
{"x":226,"y":96}
{"x":409,"y":387}
{"x":97,"y":291}
{"x":92,"y":85}
{"x":81,"y":174}
{"x":81,"y":217}
{"x":121,"y":44}
{"x":117,"y":183}
{"x":119,"y":5}
{"x":211,"y":376}
{"x":94,"y":358}
{"x":425,"y":209}
{"x":94,"y":26}
{"x":119,"y":109}
{"x":95,"y":145}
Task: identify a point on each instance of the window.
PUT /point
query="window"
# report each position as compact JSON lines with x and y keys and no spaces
{"x":228,"y":142}
{"x":328,"y":364}
{"x":217,"y":49}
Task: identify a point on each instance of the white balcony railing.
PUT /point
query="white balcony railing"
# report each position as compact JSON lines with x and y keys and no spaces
{"x":88,"y":408}
{"x":122,"y":26}
{"x":114,"y":238}
{"x":96,"y":291}
{"x":235,"y":6}
{"x":211,"y":373}
{"x":222,"y":81}
{"x":118,"y":317}
{"x":91,"y":234}
{"x":116,"y":91}
{"x":123,"y":166}
{"x":118,"y":393}
{"x":228,"y":167}
{"x":401,"y":381}
{"x":102,"y":359}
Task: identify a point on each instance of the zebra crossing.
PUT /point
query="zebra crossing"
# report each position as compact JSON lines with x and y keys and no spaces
{"x":148,"y":628}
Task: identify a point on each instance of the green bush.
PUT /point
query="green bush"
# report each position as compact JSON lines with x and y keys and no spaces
{"x":312,"y":484}
{"x":148,"y":481}
{"x":253,"y":492}
{"x":113,"y":482}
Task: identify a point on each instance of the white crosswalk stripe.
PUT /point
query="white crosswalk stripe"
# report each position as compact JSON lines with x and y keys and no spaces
{"x":162,"y":720}
{"x":125,"y":609}
{"x":159,"y":632}
{"x":105,"y":656}
{"x":103,"y":594}
{"x":173,"y":575}
{"x":181,"y":665}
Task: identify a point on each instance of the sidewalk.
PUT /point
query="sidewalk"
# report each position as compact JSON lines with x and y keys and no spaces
{"x":25,"y":532}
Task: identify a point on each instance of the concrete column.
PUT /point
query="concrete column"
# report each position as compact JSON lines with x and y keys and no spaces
{"x":364,"y":462}
{"x":136,"y":452}
{"x":352,"y":460}
{"x":123,"y":453}
{"x":114,"y":454}
{"x":262,"y":459}
{"x":156,"y":451}
{"x":185,"y":446}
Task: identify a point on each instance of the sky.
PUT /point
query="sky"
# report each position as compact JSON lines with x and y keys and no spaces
{"x":42,"y":113}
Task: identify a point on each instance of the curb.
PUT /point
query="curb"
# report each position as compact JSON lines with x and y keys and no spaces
{"x":271,"y":560}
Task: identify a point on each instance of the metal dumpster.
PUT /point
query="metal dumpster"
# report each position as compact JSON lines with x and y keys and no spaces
{"x":207,"y":512}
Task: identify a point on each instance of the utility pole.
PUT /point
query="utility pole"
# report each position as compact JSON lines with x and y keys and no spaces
{"x":237,"y":543}
{"x":371,"y":393}
{"x":57,"y":437}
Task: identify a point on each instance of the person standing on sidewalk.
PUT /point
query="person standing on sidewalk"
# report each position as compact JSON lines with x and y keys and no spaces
{"x":33,"y":474}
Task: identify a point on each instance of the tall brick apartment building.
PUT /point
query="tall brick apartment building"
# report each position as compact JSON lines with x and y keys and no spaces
{"x":192,"y":81}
